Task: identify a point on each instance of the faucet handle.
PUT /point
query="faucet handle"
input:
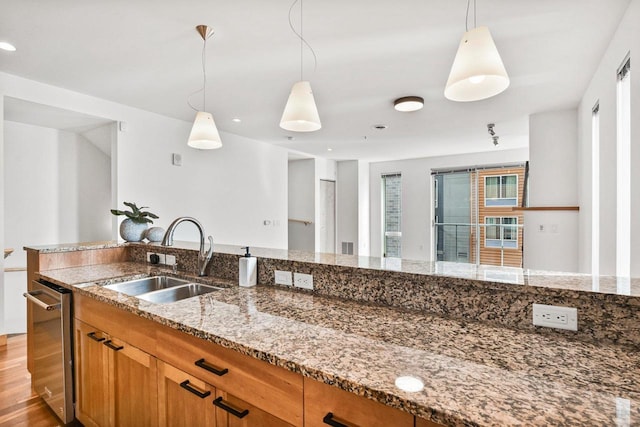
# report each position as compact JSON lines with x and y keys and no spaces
{"x":210,"y":251}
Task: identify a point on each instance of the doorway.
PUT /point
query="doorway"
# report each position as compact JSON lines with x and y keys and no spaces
{"x":476,"y":219}
{"x":57,"y":188}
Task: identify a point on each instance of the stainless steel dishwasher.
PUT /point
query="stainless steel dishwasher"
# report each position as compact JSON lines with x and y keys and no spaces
{"x":52,"y":376}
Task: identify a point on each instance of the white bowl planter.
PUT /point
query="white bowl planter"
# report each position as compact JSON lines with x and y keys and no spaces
{"x":133,"y":231}
{"x":154,"y":234}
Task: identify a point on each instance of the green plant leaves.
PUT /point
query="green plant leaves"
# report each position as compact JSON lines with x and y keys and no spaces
{"x":136,"y":214}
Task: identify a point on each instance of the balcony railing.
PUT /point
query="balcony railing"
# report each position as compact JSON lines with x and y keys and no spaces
{"x":462,"y":242}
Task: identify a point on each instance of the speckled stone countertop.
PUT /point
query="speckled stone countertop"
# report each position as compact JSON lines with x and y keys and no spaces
{"x":70,"y":247}
{"x":473,"y":374}
{"x":482,"y":273}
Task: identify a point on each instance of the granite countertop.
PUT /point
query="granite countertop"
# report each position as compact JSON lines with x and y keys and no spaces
{"x":473,"y":374}
{"x":624,"y":287}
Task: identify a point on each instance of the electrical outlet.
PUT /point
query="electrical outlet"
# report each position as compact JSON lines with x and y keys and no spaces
{"x":169,"y":260}
{"x":553,"y":316}
{"x":283,"y":278}
{"x":304,"y":281}
{"x":161,"y":257}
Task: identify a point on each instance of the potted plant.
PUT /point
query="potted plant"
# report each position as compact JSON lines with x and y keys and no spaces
{"x":134,"y":226}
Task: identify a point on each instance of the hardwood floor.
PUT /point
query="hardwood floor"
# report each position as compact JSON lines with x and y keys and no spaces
{"x":19,"y":406}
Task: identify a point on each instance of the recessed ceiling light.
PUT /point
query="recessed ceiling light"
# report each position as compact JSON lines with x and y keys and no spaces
{"x":7,"y":46}
{"x":329,"y":149}
{"x":408,"y":103}
{"x":236,"y":120}
{"x":380,"y":127}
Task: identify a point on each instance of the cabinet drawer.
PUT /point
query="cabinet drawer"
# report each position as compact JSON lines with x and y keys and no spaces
{"x":347,"y":409}
{"x":420,"y":422}
{"x":233,"y":412}
{"x":184,"y":400}
{"x":265,"y":386}
{"x":116,"y":322}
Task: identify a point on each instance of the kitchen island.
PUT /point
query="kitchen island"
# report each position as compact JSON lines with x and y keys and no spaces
{"x":472,"y":373}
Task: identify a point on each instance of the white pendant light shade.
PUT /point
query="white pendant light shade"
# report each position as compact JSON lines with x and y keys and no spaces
{"x":477,"y":72}
{"x":301,"y":114}
{"x":204,"y":134}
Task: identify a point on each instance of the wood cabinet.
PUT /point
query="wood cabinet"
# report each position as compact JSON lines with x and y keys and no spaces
{"x":234,"y":412}
{"x":92,"y":376}
{"x":171,"y":378}
{"x":272,"y":395}
{"x":266,"y":387}
{"x":116,"y":383}
{"x":184,"y":400}
{"x":421,"y":422}
{"x":324,"y":404}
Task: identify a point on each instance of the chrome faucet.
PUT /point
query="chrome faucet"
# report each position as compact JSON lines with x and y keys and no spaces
{"x":204,"y":258}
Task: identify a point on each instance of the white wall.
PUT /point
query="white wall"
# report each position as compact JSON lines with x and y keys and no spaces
{"x":364,"y":208}
{"x":304,"y":201}
{"x":551,"y":237}
{"x":353,"y":205}
{"x":57,"y":189}
{"x":417,"y":198}
{"x":347,"y":206}
{"x":231,"y":190}
{"x":2,"y":204}
{"x":302,"y":204}
{"x":602,"y":89}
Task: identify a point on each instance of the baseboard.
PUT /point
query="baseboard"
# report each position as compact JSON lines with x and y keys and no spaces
{"x":3,"y":340}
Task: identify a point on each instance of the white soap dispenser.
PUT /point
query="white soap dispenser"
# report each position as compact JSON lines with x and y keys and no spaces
{"x":248,"y":271}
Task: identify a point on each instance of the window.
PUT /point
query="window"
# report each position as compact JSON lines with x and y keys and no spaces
{"x":501,"y":232}
{"x":392,"y":215}
{"x":501,"y":190}
{"x":623,"y":168}
{"x":595,"y":191}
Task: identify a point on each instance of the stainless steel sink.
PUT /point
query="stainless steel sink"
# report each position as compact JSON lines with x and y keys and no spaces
{"x":178,"y":293}
{"x":147,"y":284}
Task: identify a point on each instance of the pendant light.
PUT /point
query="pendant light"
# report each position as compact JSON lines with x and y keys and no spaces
{"x":477,"y":71}
{"x":300,"y":114}
{"x":204,"y":134}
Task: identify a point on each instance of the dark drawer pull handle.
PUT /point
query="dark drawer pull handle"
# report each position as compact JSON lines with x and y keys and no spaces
{"x":240,"y":414}
{"x":93,"y":336}
{"x":204,"y":365}
{"x":201,"y":394}
{"x":113,"y":346}
{"x":328,"y":419}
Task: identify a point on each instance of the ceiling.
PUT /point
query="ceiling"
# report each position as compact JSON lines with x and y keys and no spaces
{"x":147,"y":54}
{"x":21,"y":111}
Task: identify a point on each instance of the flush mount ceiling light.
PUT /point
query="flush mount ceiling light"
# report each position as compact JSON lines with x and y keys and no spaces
{"x":477,"y":71}
{"x":204,"y":134}
{"x":300,"y":114}
{"x":7,"y":46}
{"x":408,"y":103}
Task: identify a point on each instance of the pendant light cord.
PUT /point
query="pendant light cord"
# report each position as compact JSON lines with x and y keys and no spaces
{"x":466,"y":20}
{"x":302,"y":40}
{"x":204,"y":81}
{"x":204,"y":75}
